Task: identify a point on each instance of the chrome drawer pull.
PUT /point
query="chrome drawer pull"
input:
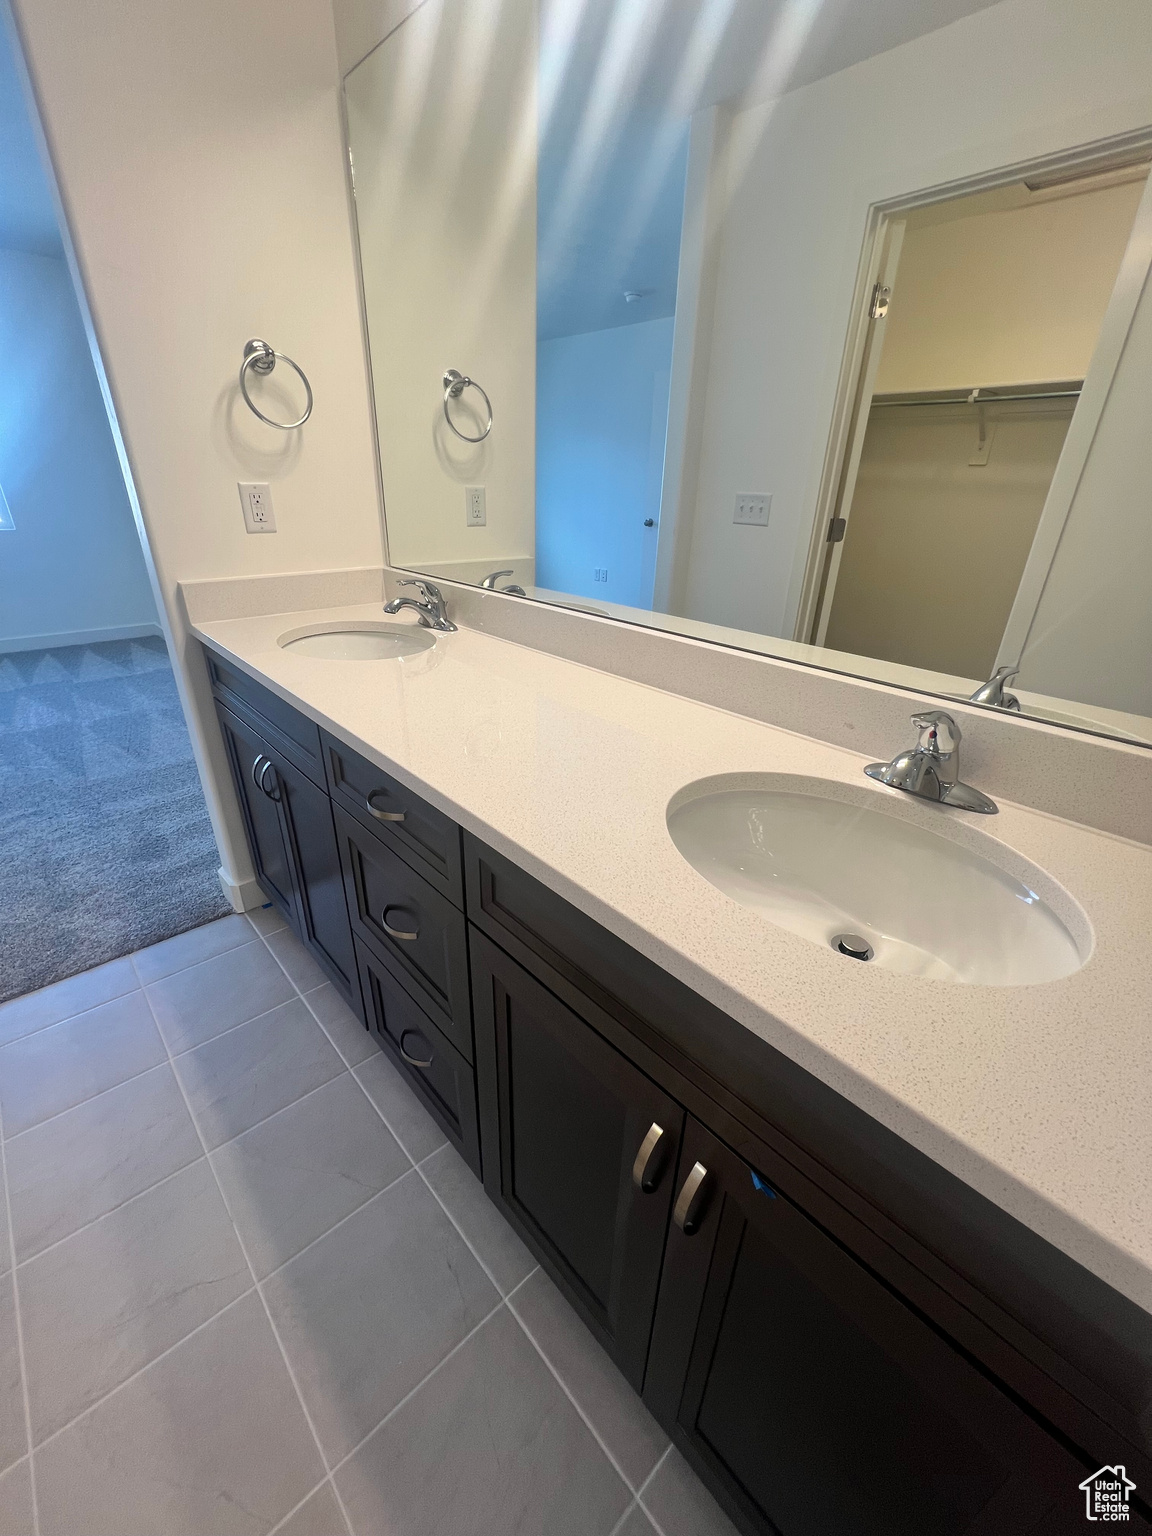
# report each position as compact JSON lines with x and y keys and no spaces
{"x":383,"y":815}
{"x":648,"y":1167}
{"x":416,"y":1061}
{"x":410,"y":936}
{"x":256,"y":761}
{"x":691,"y":1200}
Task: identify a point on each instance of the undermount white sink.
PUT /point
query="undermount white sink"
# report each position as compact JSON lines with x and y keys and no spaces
{"x":362,"y":640}
{"x":826,"y":860}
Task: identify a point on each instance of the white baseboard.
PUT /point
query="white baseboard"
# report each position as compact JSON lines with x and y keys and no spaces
{"x":244,"y":895}
{"x":77,"y":637}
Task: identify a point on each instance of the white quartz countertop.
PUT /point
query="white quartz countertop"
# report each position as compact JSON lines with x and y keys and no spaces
{"x":1038,"y":1096}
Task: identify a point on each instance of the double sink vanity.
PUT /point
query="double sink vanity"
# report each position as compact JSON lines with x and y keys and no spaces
{"x":822,"y":1103}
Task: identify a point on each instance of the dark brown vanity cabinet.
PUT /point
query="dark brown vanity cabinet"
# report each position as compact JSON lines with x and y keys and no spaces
{"x":581,"y":1150}
{"x":293,"y":842}
{"x":816,"y":1398}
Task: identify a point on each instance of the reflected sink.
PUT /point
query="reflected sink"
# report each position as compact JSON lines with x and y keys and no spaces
{"x":929,"y":896}
{"x":357,"y":640}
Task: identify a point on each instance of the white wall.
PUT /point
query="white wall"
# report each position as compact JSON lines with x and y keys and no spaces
{"x":1020,"y":79}
{"x":602,"y":399}
{"x":1013,"y":295}
{"x":199,"y":154}
{"x":71,"y":569}
{"x":442,"y":123}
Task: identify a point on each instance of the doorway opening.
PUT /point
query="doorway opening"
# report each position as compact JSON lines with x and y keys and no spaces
{"x":979,"y":333}
{"x":105,"y":841}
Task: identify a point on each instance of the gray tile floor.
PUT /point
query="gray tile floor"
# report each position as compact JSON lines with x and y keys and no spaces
{"x":247,"y":1287}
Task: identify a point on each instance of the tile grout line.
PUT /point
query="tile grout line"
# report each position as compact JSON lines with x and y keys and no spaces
{"x":19,"y":1335}
{"x":263,"y":1299}
{"x":334,"y":1227}
{"x":619,"y":1526}
{"x":48,"y":1119}
{"x":147,"y":1366}
{"x":111,"y":1211}
{"x":68,"y":1017}
{"x":643,"y":1489}
{"x":296,"y":1508}
{"x":412,"y":1391}
{"x":571,"y":1396}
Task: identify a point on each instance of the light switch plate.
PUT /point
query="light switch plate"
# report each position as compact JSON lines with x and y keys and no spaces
{"x":476,"y":506}
{"x":256,"y":501}
{"x":753,"y":508}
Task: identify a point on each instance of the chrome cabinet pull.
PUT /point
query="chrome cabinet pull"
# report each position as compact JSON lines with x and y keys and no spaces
{"x":416,"y":1061}
{"x":648,"y":1167}
{"x":691,"y":1200}
{"x":256,"y":761}
{"x":409,"y":935}
{"x":274,"y":793}
{"x":382,"y":815}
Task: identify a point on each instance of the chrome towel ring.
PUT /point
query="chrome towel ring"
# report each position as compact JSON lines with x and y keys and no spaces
{"x":260,"y":357}
{"x":454,"y":386}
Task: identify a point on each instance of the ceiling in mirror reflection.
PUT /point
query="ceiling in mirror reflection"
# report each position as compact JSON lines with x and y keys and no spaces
{"x":811,"y":328}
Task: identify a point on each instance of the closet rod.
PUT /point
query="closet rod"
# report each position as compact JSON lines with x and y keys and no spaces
{"x":976,"y":397}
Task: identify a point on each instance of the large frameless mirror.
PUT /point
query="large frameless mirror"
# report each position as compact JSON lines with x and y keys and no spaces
{"x":800,"y":326}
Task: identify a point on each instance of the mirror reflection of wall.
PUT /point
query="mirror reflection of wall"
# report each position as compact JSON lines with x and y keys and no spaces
{"x":654,"y":232}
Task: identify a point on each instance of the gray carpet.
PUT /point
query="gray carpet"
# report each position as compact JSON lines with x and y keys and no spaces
{"x":105,"y":844}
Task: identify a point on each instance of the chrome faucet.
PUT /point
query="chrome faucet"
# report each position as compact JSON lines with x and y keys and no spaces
{"x":489,"y":584}
{"x":931,"y":769}
{"x":992,"y":692}
{"x":429,"y":605}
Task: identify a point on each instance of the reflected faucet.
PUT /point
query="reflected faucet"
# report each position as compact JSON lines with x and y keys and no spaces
{"x":489,"y":584}
{"x":429,"y":605}
{"x":992,"y":692}
{"x":931,"y":769}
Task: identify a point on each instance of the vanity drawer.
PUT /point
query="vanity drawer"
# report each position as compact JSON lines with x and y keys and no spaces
{"x":428,"y":839}
{"x":435,"y":1068}
{"x":285,"y":728}
{"x":411,"y":926}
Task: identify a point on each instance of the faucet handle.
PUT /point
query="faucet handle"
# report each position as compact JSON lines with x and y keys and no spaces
{"x":992,"y":692}
{"x":939,"y":733}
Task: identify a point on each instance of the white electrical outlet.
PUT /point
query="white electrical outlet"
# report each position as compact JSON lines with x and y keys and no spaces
{"x":257,"y":503}
{"x":600,"y":573}
{"x":476,"y":508}
{"x":753,"y":509}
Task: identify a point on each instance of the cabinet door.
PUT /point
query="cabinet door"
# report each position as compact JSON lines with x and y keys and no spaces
{"x":271,"y":855}
{"x":579,"y":1150}
{"x":811,"y":1398}
{"x":321,"y":907}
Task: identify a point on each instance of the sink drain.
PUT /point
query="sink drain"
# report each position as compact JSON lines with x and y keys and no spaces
{"x":852,"y":945}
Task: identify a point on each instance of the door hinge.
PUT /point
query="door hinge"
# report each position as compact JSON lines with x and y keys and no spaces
{"x":878,"y":308}
{"x":836,"y":529}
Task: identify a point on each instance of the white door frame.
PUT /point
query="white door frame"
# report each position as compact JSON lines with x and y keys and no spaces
{"x":1114,"y":328}
{"x":1100,"y":154}
{"x":888,"y":244}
